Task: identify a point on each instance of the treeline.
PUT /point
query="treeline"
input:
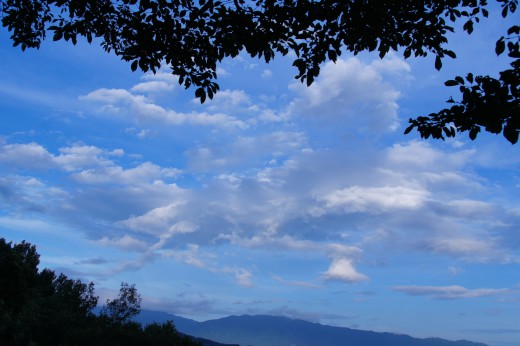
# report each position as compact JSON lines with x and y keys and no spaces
{"x":40,"y":308}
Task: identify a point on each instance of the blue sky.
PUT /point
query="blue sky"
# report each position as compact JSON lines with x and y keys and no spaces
{"x":273,"y":198}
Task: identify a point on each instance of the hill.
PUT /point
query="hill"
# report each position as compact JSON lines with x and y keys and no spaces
{"x":266,"y":330}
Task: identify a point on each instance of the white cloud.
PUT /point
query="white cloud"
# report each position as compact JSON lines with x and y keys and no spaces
{"x":143,"y":111}
{"x":126,"y":242}
{"x":420,"y":155}
{"x":244,"y":277}
{"x":30,"y":155}
{"x":79,"y":157}
{"x":228,"y":100}
{"x":455,"y":270}
{"x":294,"y":283}
{"x":145,"y":172}
{"x":374,"y":199}
{"x":450,"y":292}
{"x":342,"y":269}
{"x":191,"y":256}
{"x":152,"y":87}
{"x":156,"y":221}
{"x":246,"y":151}
{"x":349,"y":94}
{"x":266,"y":74}
{"x":464,"y":246}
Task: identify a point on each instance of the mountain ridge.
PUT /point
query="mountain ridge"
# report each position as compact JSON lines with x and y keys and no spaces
{"x":268,"y":330}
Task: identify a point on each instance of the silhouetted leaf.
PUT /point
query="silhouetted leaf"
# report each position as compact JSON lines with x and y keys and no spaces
{"x":438,"y":63}
{"x":451,"y":82}
{"x":500,"y":46}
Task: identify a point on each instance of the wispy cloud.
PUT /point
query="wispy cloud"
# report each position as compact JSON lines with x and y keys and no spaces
{"x":450,"y":292}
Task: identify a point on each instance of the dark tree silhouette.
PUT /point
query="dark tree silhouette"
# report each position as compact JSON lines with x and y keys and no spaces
{"x":125,"y":307}
{"x":40,"y":308}
{"x":192,"y":37}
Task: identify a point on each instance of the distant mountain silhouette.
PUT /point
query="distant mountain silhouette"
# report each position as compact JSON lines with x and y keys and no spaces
{"x":280,"y":331}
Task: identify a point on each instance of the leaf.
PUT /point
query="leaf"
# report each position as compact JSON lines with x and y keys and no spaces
{"x":500,"y":46}
{"x":468,"y":26}
{"x":504,"y":11}
{"x":513,"y":30}
{"x":332,"y":55}
{"x":438,"y":62}
{"x":409,"y":129}
{"x":473,"y":132}
{"x":469,"y":78}
{"x":201,"y":94}
{"x":450,"y":53}
{"x":460,"y":80}
{"x":451,"y":82}
{"x":447,"y":131}
{"x":511,"y":136}
{"x":134,"y":65}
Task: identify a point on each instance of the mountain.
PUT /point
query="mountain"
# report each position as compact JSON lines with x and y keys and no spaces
{"x":280,"y":331}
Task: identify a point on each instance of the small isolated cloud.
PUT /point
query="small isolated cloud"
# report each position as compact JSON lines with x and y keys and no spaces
{"x":449,"y":292}
{"x":267,"y":74}
{"x":455,"y":270}
{"x":342,"y":269}
{"x":243,"y":277}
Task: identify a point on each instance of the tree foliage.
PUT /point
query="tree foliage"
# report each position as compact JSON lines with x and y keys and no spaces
{"x":126,"y":306}
{"x":488,"y":103}
{"x":42,"y":308}
{"x":193,"y":36}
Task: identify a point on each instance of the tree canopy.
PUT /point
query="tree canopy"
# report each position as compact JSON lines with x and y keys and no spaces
{"x":193,"y":36}
{"x":42,"y":308}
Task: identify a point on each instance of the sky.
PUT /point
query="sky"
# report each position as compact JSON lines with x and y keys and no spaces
{"x":272,"y":198}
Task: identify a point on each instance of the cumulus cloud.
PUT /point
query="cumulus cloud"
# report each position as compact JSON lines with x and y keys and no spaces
{"x":372,"y":199}
{"x":246,"y":151}
{"x":449,"y":292}
{"x":285,"y":182}
{"x":25,"y":155}
{"x":86,"y":163}
{"x":142,"y":110}
{"x":342,"y":269}
{"x":350,"y":94}
{"x":144,"y":172}
{"x":419,"y":155}
{"x":156,"y":221}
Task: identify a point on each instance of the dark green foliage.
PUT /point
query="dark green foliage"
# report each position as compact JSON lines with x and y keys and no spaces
{"x":193,"y":36}
{"x":40,"y":308}
{"x":126,"y":306}
{"x":487,"y":103}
